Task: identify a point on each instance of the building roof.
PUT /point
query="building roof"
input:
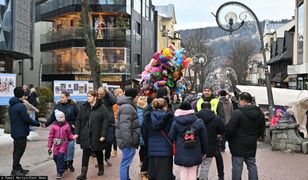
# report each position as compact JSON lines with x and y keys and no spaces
{"x":271,"y":27}
{"x":166,"y":11}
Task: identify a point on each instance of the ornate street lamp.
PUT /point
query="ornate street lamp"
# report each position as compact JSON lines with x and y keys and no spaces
{"x":232,"y":24}
{"x":199,"y":61}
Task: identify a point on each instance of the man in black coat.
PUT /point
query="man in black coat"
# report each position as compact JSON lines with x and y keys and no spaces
{"x":20,"y":121}
{"x":108,"y":100}
{"x":246,"y":125}
{"x":215,"y":128}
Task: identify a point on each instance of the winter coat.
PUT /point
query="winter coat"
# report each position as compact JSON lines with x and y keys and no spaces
{"x":59,"y":132}
{"x":214,"y":126}
{"x":158,"y":145}
{"x":228,"y":108}
{"x":109,"y":100}
{"x":69,"y":109}
{"x":127,"y":128}
{"x":30,"y":108}
{"x":184,"y":156}
{"x":91,"y":125}
{"x":275,"y":120}
{"x":20,"y":120}
{"x":140,"y":113}
{"x":247,"y":124}
{"x":33,"y":98}
{"x":219,"y":109}
{"x":175,"y":105}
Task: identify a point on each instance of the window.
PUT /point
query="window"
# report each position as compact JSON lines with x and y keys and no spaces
{"x":137,"y":6}
{"x":138,"y":28}
{"x":138,"y":60}
{"x":300,"y":33}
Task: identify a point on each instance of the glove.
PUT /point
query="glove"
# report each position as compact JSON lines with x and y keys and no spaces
{"x":49,"y":152}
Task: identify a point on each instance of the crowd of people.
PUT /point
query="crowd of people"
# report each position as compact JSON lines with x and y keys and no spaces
{"x":167,"y":130}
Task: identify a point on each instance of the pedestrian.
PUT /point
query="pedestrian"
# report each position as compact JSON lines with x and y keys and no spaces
{"x":117,"y":93}
{"x":59,"y":136}
{"x":143,"y":151}
{"x":159,"y":145}
{"x":277,"y":117}
{"x":108,"y":100}
{"x":218,"y":109}
{"x":189,"y":134}
{"x":30,"y":108}
{"x":91,"y":131}
{"x":20,"y":122}
{"x":127,"y":130}
{"x":34,"y":101}
{"x":215,"y":129}
{"x":246,"y":125}
{"x":70,"y":110}
{"x":228,"y":110}
{"x":175,"y":101}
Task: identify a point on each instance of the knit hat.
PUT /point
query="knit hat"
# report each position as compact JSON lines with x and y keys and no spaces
{"x":161,"y":92}
{"x":185,"y":106}
{"x":131,"y":92}
{"x":279,"y":111}
{"x":58,"y":115}
{"x":208,"y":87}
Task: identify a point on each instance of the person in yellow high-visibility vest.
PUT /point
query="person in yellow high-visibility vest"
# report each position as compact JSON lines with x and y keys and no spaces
{"x":217,"y":108}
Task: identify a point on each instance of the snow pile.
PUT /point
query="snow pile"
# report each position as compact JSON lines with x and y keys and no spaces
{"x":5,"y":137}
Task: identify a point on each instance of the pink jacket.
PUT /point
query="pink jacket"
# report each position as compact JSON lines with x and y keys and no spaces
{"x":62,"y":132}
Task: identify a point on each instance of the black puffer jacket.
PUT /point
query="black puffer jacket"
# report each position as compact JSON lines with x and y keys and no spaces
{"x":109,"y":100}
{"x":91,"y":125}
{"x":246,"y":125}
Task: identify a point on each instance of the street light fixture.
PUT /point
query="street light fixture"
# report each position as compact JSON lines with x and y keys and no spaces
{"x":232,"y":25}
{"x":199,"y":60}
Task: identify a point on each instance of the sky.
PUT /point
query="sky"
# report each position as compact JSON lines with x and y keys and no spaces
{"x":197,"y":13}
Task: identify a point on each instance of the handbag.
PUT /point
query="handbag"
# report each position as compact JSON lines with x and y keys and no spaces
{"x":173,"y":145}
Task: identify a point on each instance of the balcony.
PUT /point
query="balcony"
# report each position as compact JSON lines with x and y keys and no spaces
{"x":107,"y":68}
{"x":74,"y":37}
{"x":53,"y":8}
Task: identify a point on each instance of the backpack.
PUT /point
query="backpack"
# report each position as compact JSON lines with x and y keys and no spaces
{"x":190,"y":136}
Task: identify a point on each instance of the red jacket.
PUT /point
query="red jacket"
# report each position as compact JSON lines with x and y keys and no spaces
{"x":275,"y":120}
{"x":61,"y":132}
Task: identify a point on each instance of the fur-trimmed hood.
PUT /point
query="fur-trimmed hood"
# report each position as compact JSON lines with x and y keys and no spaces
{"x":181,"y":112}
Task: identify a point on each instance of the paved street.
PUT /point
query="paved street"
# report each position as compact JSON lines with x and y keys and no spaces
{"x":271,"y":165}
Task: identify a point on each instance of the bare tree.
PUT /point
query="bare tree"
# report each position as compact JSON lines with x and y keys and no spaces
{"x":196,"y":43}
{"x":90,"y":48}
{"x":240,"y":58}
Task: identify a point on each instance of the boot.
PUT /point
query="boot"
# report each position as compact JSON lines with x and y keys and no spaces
{"x":83,"y":175}
{"x":100,"y":170}
{"x":114,"y":153}
{"x":70,"y":165}
{"x":65,"y":165}
{"x":144,"y":175}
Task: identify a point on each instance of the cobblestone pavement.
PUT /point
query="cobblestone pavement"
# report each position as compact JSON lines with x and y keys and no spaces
{"x":271,"y":165}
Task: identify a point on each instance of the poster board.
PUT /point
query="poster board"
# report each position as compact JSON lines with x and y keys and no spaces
{"x":78,"y":89}
{"x":7,"y":85}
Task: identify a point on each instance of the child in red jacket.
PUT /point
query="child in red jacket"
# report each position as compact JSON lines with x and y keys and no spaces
{"x":277,"y":117}
{"x":59,"y":135}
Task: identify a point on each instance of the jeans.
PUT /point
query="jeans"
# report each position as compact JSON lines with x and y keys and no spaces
{"x":18,"y":151}
{"x":60,"y":163}
{"x":205,"y":168}
{"x":127,"y":158}
{"x":86,"y":156}
{"x":70,"y":151}
{"x":237,"y":168}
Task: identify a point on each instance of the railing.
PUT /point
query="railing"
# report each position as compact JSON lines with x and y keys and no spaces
{"x":52,"y":5}
{"x":78,"y":33}
{"x":106,"y":68}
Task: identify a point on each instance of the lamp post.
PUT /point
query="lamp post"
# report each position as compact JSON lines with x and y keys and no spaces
{"x":232,"y":24}
{"x":199,"y":60}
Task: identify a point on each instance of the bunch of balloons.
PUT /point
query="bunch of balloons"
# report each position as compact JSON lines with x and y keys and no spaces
{"x":166,"y":68}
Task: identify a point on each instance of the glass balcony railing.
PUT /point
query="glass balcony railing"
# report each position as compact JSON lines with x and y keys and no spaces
{"x":53,"y":5}
{"x":106,"y":68}
{"x":78,"y":33}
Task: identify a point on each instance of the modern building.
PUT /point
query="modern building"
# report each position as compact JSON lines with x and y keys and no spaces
{"x":16,"y":35}
{"x":124,"y":33}
{"x":298,"y":71}
{"x":166,"y":34}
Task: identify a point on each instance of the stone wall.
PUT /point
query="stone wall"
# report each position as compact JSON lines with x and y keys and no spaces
{"x":285,"y":137}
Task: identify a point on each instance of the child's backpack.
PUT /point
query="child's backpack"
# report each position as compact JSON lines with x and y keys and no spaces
{"x":190,"y":136}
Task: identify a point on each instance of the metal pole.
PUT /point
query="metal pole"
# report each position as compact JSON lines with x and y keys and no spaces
{"x":267,"y":77}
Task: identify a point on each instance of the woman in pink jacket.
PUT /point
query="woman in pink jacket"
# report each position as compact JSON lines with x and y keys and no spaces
{"x":59,"y":136}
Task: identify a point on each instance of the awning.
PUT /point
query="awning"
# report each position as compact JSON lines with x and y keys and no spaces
{"x":283,"y":56}
{"x":279,"y":77}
